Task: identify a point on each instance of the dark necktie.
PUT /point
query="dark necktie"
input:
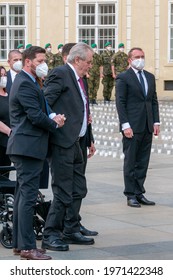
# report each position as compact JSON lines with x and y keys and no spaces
{"x":84,"y":91}
{"x":142,"y":82}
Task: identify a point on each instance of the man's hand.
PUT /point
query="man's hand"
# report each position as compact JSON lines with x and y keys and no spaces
{"x":59,"y":119}
{"x":89,"y":119}
{"x":156,"y":130}
{"x":92,"y":150}
{"x":128,"y":132}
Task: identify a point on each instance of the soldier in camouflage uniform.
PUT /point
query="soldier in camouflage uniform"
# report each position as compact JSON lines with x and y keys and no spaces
{"x":93,"y":77}
{"x":119,"y":62}
{"x":58,"y":59}
{"x":108,"y":80}
{"x":49,"y":56}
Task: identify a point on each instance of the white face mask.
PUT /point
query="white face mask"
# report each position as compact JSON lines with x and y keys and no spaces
{"x":41,"y":70}
{"x":3,"y":82}
{"x":49,"y":50}
{"x":95,"y":50}
{"x":109,"y":48}
{"x":60,"y":50}
{"x":121,"y":49}
{"x":138,"y":63}
{"x":17,"y":66}
{"x":21,"y":50}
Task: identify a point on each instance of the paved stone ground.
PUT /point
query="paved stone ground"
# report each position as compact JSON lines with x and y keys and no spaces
{"x":125,"y":233}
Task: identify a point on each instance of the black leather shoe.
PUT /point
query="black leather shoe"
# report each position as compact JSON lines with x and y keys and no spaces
{"x":54,"y":244}
{"x":77,"y":238}
{"x":132,"y":202}
{"x":87,"y":232}
{"x":142,"y":200}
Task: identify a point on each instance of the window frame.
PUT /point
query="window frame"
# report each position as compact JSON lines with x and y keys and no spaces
{"x":98,"y":26}
{"x":11,"y":42}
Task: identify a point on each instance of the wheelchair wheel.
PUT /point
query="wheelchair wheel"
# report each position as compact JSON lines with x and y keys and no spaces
{"x":38,"y":226}
{"x":6,"y":238}
{"x":40,"y":197}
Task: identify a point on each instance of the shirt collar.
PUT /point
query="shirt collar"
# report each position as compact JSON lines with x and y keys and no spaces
{"x":32,"y":78}
{"x":74,"y":70}
{"x":136,"y":70}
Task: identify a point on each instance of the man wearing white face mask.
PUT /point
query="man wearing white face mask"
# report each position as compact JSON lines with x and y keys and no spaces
{"x":15,"y":63}
{"x":138,"y":111}
{"x":31,"y":121}
{"x":49,"y":56}
{"x":106,"y":72}
{"x":58,"y":60}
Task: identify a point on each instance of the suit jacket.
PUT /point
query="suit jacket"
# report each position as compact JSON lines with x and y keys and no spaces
{"x":131,"y":104}
{"x":28,"y":118}
{"x":63,"y":95}
{"x":9,"y":82}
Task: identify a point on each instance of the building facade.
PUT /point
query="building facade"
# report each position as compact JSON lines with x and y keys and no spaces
{"x":147,"y":24}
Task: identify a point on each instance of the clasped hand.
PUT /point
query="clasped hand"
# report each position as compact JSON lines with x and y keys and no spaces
{"x":60,"y":119}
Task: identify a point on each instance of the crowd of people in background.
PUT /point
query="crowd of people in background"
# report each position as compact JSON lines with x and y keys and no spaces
{"x":105,"y":67}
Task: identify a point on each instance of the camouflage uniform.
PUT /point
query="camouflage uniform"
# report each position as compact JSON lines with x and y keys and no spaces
{"x":50,"y":60}
{"x":120,"y":62}
{"x":58,"y":60}
{"x":108,"y":80}
{"x":94,"y":77}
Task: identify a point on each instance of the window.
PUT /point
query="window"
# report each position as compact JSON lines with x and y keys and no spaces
{"x":168,"y":85}
{"x":12,"y":28}
{"x":97,"y":23}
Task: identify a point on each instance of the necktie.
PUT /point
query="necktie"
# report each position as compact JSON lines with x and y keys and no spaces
{"x":142,"y":82}
{"x":84,"y":91}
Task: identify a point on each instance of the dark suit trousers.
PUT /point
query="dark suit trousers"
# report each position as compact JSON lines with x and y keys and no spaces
{"x":68,"y":186}
{"x":26,"y":192}
{"x":137,"y":154}
{"x":44,"y":176}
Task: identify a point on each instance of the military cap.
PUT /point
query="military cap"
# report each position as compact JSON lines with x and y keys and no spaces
{"x":85,"y":41}
{"x":93,"y":46}
{"x":28,"y":46}
{"x":107,"y":44}
{"x":20,"y":46}
{"x":47,"y":45}
{"x":121,"y":45}
{"x":60,"y":46}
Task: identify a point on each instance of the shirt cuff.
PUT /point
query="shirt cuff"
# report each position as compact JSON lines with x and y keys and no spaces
{"x":51,"y":116}
{"x":125,"y":126}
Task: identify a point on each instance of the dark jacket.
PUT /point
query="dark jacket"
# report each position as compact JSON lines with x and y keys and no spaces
{"x":28,"y":119}
{"x":131,"y":104}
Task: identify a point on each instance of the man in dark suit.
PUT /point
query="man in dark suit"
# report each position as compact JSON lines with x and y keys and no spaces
{"x":65,"y":92}
{"x":31,"y":121}
{"x":15,"y":63}
{"x":86,"y":142}
{"x":138,"y":111}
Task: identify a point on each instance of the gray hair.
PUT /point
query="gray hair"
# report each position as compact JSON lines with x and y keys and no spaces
{"x":79,"y":50}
